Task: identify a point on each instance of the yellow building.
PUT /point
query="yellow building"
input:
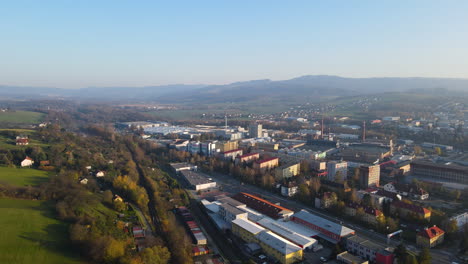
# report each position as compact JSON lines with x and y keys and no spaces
{"x":430,"y":237}
{"x":287,"y":171}
{"x":279,"y":248}
{"x":406,"y":210}
{"x":266,"y":164}
{"x":227,"y":146}
{"x":246,"y":230}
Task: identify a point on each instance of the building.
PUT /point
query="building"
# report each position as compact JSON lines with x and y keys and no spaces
{"x":256,"y":131}
{"x":430,"y":237}
{"x":247,"y":158}
{"x":279,"y":248}
{"x":326,"y":200}
{"x":441,"y":172}
{"x":369,"y":250}
{"x":100,"y":174}
{"x":246,"y":230}
{"x":268,"y":146}
{"x":335,"y":186}
{"x":369,"y":176}
{"x":366,"y":152}
{"x":370,"y":215}
{"x":266,"y":164}
{"x":407,"y":190}
{"x":289,"y":189}
{"x":406,"y":210}
{"x":263,"y":206}
{"x":223,"y":146}
{"x":231,"y":154}
{"x":462,"y":220}
{"x":328,"y":230}
{"x":287,"y":171}
{"x":208,"y":148}
{"x":318,"y":165}
{"x":337,"y":167}
{"x":198,"y":181}
{"x":287,"y":233}
{"x":27,"y":162}
{"x":229,"y":213}
{"x":347,"y":258}
{"x":22,"y":141}
{"x":182,"y":166}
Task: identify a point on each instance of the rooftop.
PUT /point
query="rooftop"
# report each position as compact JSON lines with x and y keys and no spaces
{"x":181,"y":165}
{"x":278,"y":243}
{"x":291,"y":235}
{"x":248,"y":155}
{"x":412,"y":207}
{"x":365,"y":243}
{"x":196,"y":178}
{"x":265,"y":160}
{"x":228,"y":200}
{"x":231,"y":209}
{"x":324,"y":223}
{"x":261,"y":205}
{"x":350,"y":258}
{"x":232,"y":151}
{"x":431,"y":232}
{"x":248,"y":225}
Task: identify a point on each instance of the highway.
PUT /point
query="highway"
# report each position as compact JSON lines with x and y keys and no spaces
{"x":232,"y":185}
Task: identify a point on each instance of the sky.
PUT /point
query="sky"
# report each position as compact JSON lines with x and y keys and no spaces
{"x":79,"y":43}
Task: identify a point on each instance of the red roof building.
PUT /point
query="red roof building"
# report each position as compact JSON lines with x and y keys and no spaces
{"x":405,"y":209}
{"x":430,"y":237}
{"x":263,"y":206}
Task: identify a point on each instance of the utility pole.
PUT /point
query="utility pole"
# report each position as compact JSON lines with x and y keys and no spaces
{"x":364,"y":131}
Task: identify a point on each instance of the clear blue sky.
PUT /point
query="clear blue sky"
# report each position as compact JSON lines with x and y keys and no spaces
{"x":81,"y":43}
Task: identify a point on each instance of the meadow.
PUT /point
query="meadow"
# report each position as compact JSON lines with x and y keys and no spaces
{"x":30,"y":234}
{"x":21,"y":117}
{"x":22,"y":176}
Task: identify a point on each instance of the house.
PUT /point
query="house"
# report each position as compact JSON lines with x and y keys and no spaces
{"x":117,"y":198}
{"x":100,"y":174}
{"x":27,"y":162}
{"x":370,"y":215}
{"x":430,"y":237}
{"x":407,"y":190}
{"x":407,"y":210}
{"x":83,"y":181}
{"x":44,"y":163}
{"x":326,"y":200}
{"x":138,"y":232}
{"x":22,"y":141}
{"x":289,"y":189}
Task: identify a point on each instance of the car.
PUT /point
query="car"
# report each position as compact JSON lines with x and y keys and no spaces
{"x":323,"y":259}
{"x":262,"y":257}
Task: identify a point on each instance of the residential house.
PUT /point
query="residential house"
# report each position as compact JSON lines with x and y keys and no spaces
{"x":100,"y":174}
{"x":84,"y":181}
{"x":289,"y":189}
{"x":430,"y":237}
{"x":407,"y":210}
{"x":27,"y":162}
{"x":407,"y":190}
{"x":370,"y":215}
{"x":22,"y":141}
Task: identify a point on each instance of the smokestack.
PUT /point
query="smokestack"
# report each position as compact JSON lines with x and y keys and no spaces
{"x":364,"y":131}
{"x":322,"y":128}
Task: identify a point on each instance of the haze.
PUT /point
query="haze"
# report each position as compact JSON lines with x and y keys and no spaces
{"x":70,"y":44}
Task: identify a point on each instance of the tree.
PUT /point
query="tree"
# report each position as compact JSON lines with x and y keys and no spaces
{"x":155,"y":255}
{"x":424,"y":256}
{"x":304,"y":193}
{"x":119,"y":206}
{"x":400,"y":253}
{"x":115,"y":249}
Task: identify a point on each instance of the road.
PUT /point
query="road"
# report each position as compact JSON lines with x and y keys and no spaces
{"x":232,"y":185}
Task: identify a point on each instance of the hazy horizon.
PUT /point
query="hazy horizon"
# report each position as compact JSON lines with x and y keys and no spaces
{"x":109,"y":43}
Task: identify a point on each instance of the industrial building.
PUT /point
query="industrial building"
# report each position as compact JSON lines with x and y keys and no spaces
{"x":263,"y":206}
{"x":229,"y":213}
{"x":369,"y":250}
{"x":442,"y":172}
{"x":198,"y":181}
{"x":327,"y":230}
{"x":348,"y":258}
{"x":287,"y":233}
{"x":279,"y":248}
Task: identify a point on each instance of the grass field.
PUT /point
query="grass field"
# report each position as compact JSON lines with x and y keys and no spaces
{"x":30,"y":234}
{"x":9,"y":142}
{"x":21,"y":117}
{"x":22,"y":176}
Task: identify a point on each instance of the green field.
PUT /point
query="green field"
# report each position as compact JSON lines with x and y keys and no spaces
{"x":9,"y":142}
{"x":30,"y":234}
{"x":22,"y":176}
{"x":21,"y":117}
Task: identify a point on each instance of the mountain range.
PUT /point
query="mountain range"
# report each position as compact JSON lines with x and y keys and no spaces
{"x":310,"y":86}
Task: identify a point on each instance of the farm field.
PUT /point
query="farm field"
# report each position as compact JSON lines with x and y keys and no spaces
{"x":21,"y":117}
{"x":22,"y":176}
{"x":30,"y":234}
